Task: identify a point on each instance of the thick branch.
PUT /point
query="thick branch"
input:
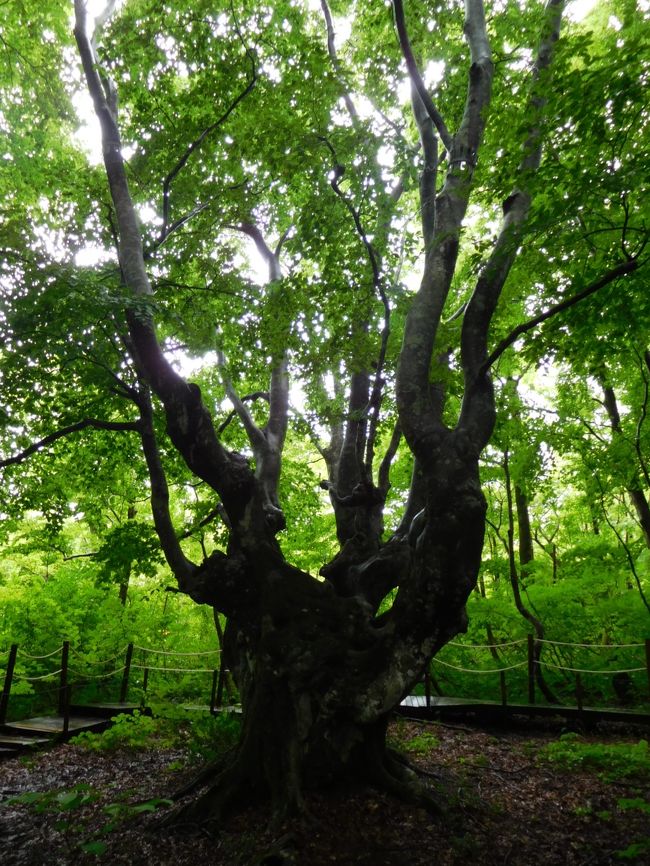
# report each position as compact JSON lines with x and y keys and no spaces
{"x":182,"y":568}
{"x":188,"y":422}
{"x":67,"y":431}
{"x":416,"y":78}
{"x":373,"y":407}
{"x":419,"y":413}
{"x":477,"y":414}
{"x":255,"y":435}
{"x":270,"y":257}
{"x":268,"y":442}
{"x":429,"y":169}
{"x":383,"y":475}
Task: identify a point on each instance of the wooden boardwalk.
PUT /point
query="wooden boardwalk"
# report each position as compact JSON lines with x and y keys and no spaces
{"x":437,"y":707}
{"x":40,"y":731}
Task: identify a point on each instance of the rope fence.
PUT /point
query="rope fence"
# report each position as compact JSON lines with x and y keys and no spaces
{"x":97,"y":676}
{"x":532,"y":662}
{"x":173,"y":670}
{"x":535,"y":665}
{"x":67,"y":677}
{"x":170,"y":653}
{"x":37,"y":679}
{"x":588,"y":671}
{"x":523,"y":640}
{"x":90,"y":661}
{"x":480,"y":670}
{"x":46,"y":656}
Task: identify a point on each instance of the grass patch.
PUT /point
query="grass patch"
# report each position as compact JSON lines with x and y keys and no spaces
{"x":612,"y":761}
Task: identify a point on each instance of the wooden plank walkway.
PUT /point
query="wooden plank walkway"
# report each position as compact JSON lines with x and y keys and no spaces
{"x":416,"y":706}
{"x":28,"y":734}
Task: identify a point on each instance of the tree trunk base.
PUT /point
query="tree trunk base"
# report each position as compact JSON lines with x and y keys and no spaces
{"x":228,"y":784}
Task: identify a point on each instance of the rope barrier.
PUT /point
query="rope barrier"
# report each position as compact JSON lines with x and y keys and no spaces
{"x":594,"y":646}
{"x":170,"y":653}
{"x":610,"y":646}
{"x":97,"y":676}
{"x":487,"y":645}
{"x":481,"y":670}
{"x":586,"y":671}
{"x":35,"y":679}
{"x":175,"y":670}
{"x":46,"y":656}
{"x":103,"y":661}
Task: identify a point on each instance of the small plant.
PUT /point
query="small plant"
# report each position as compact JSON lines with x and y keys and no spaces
{"x":134,"y":731}
{"x":57,"y":801}
{"x":422,"y":744}
{"x":67,"y":801}
{"x":62,"y":803}
{"x":626,"y":803}
{"x":634,"y":851}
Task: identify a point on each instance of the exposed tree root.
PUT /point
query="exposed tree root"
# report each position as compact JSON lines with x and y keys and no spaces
{"x":211,"y":771}
{"x":396,"y":776}
{"x":228,"y":788}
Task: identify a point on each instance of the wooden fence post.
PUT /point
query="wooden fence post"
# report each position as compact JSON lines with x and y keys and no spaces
{"x":6,"y":689}
{"x":427,"y":688}
{"x":145,"y":683}
{"x":579,"y":691}
{"x":125,"y":676}
{"x":220,"y":685}
{"x":213,"y":692}
{"x":63,"y":679}
{"x":531,"y":669}
{"x":64,"y":690}
{"x":66,"y":709}
{"x":502,"y":685}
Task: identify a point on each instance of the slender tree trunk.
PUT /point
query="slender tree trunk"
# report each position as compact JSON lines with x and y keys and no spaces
{"x":526,"y":552}
{"x":633,"y":485}
{"x":515,"y":579}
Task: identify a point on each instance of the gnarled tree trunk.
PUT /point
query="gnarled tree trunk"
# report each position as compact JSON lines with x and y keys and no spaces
{"x":318,"y":668}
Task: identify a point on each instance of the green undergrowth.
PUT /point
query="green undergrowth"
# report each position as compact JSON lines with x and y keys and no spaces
{"x":202,"y":735}
{"x":612,"y":761}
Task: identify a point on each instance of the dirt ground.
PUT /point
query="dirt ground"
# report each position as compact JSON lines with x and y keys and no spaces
{"x":502,"y":807}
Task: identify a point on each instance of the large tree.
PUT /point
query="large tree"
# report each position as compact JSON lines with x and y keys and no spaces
{"x":223,"y":126}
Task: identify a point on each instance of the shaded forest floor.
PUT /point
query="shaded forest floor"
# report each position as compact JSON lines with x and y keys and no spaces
{"x":505,"y":805}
